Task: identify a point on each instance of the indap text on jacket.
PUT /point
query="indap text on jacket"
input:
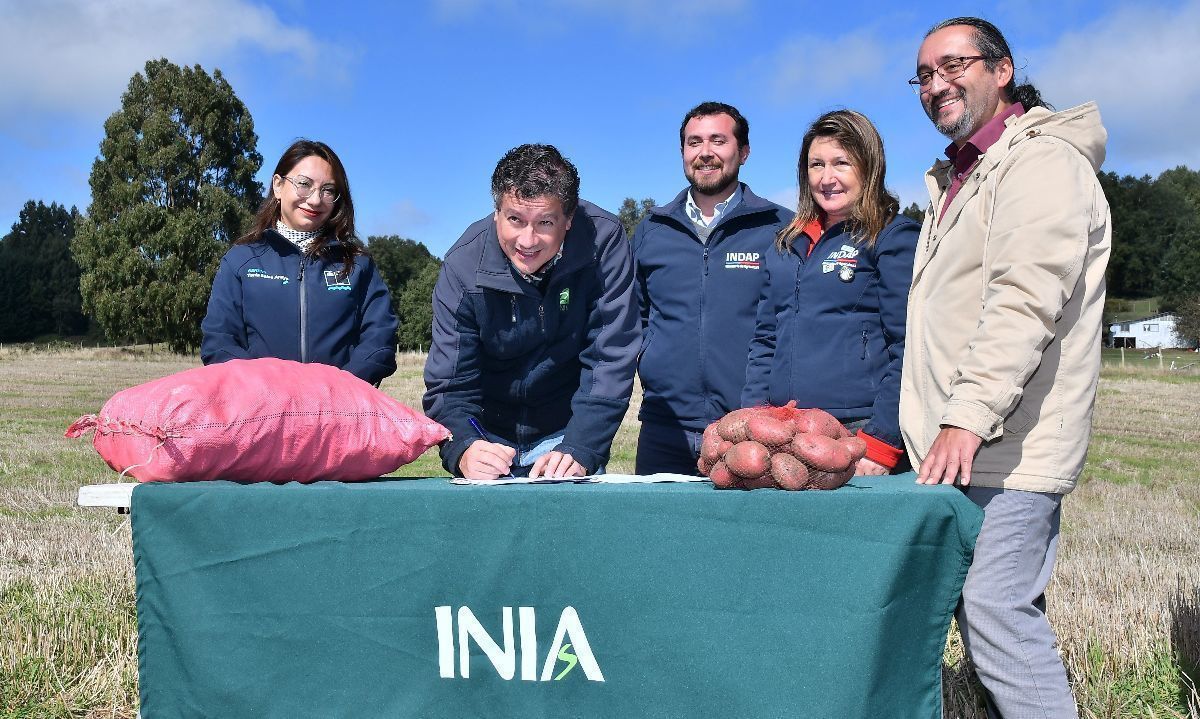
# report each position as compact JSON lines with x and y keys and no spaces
{"x":830,"y":329}
{"x":698,"y":303}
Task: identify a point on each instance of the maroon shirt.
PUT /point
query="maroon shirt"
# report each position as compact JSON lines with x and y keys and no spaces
{"x":965,"y":157}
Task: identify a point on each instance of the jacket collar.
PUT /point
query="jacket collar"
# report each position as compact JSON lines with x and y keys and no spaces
{"x":497,"y":273}
{"x":937,"y":181}
{"x":750,"y":204}
{"x":284,"y":246}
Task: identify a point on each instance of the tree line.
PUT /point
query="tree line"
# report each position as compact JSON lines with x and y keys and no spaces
{"x":174,"y":185}
{"x":172,"y":188}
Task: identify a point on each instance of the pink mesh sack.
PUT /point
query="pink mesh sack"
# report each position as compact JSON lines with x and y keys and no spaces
{"x":260,"y":420}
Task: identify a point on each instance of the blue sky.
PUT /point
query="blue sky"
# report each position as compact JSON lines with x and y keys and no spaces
{"x":421,"y":99}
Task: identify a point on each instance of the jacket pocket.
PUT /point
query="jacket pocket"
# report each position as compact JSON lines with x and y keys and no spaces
{"x":646,"y":338}
{"x":1019,"y":421}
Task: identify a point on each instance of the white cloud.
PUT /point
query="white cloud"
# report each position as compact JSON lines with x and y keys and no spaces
{"x":1139,"y":64}
{"x":818,"y":66}
{"x":663,"y":16}
{"x":76,"y":56}
{"x":399,"y":218}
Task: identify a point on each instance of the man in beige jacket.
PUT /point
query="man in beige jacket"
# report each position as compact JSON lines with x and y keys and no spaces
{"x":1003,"y":343}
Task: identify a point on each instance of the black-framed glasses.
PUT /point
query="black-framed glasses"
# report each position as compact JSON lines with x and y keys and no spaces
{"x":305,"y":186}
{"x":948,"y":70}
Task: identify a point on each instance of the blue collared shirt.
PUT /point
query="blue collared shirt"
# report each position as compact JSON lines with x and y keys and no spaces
{"x":722,"y":208}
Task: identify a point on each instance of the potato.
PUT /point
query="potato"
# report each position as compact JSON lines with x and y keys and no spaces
{"x":705,"y":465}
{"x":789,"y":472}
{"x":733,"y":425}
{"x":748,"y":459}
{"x":856,"y":446}
{"x":763,"y":482}
{"x":710,"y":444}
{"x":818,"y":421}
{"x":769,"y":431}
{"x":820,"y":451}
{"x":721,"y":477}
{"x":829,"y":480}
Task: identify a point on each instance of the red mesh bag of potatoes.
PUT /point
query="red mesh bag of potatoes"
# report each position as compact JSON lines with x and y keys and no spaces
{"x":259,"y":420}
{"x":783,"y":447}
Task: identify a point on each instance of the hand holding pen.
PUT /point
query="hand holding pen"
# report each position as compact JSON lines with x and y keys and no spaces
{"x":486,"y":458}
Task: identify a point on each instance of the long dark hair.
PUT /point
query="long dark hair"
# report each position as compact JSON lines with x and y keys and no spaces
{"x":875,"y":207}
{"x":339,"y":226}
{"x":991,"y":44}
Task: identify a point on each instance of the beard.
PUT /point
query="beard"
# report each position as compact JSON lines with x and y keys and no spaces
{"x":959,"y":129}
{"x":718,"y":185}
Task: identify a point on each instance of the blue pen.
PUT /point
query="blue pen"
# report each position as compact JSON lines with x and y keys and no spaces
{"x":479,"y":428}
{"x":486,"y":438}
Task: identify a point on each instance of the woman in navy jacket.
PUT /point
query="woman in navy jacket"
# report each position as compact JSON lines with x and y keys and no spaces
{"x":830,"y":326}
{"x":298,"y":285}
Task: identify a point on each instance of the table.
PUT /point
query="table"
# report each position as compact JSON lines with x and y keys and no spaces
{"x":417,"y":598}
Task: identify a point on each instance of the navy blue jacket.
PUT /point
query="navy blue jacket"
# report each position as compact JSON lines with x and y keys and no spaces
{"x":830,"y":329}
{"x":528,"y":364}
{"x":269,"y":300}
{"x":698,"y":304}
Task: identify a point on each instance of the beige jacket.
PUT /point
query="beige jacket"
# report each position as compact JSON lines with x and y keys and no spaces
{"x":1004,"y":313}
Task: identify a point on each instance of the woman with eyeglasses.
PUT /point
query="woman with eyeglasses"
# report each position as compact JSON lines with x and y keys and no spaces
{"x":830,"y":326}
{"x":299,"y":285}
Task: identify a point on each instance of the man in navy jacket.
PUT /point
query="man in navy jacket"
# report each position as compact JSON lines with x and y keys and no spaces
{"x":535,"y":329}
{"x":699,"y":260}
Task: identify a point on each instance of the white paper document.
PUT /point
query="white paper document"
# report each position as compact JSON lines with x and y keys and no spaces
{"x":589,"y":479}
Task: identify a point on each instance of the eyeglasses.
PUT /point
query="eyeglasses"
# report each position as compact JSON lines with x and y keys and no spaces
{"x":949,"y":70}
{"x":305,"y":186}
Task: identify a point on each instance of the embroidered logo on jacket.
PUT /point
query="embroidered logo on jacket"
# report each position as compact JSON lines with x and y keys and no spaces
{"x":332,"y":283}
{"x":257,"y":273}
{"x":847,"y":257}
{"x":742,"y":261}
{"x":564,"y":299}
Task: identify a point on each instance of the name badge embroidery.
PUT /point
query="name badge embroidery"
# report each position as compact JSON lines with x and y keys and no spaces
{"x":742,"y":261}
{"x":843,"y":261}
{"x":257,"y":273}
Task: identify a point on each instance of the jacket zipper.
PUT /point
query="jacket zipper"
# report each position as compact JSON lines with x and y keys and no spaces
{"x":864,"y":338}
{"x":542,"y":317}
{"x":303,"y":315}
{"x":513,"y":300}
{"x":705,"y":393}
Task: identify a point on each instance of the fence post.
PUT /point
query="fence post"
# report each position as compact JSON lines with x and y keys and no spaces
{"x":1122,"y":356}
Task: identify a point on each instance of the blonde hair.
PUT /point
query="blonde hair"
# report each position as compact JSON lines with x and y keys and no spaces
{"x":875,"y":206}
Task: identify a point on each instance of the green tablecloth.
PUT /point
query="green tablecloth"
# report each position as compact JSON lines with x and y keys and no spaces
{"x":625,"y":600}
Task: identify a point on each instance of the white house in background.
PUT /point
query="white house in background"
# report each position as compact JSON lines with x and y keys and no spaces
{"x":1148,"y":332}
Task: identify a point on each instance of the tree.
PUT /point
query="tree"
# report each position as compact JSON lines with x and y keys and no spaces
{"x":632,"y":212}
{"x":402,"y":262}
{"x":1187,"y":322}
{"x":415,"y":309}
{"x":1156,"y":235}
{"x":1179,"y":211}
{"x":399,"y":259}
{"x":39,"y":280}
{"x":1137,"y":248}
{"x":914,"y":212}
{"x":173,"y":186}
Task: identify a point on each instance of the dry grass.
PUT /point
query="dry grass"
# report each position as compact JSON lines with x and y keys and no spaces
{"x":1125,"y":599}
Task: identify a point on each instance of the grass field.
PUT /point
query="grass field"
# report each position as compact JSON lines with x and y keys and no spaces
{"x":1125,"y":599}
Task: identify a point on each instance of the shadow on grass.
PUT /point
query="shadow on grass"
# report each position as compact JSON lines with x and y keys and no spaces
{"x":1184,"y":609}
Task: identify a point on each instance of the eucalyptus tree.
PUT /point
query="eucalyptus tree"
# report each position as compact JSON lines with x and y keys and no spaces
{"x":172,"y":187}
